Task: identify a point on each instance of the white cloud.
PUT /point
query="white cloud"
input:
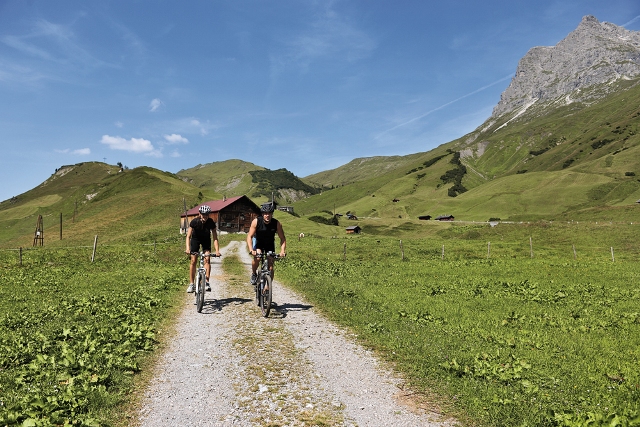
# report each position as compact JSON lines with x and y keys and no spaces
{"x":155,"y":153}
{"x":155,"y":104}
{"x":119,"y":124}
{"x":80,"y":151}
{"x":136,"y":145}
{"x":174,"y":138}
{"x":190,"y":125}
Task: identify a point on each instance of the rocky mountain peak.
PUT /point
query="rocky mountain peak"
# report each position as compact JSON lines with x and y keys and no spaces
{"x":593,"y":55}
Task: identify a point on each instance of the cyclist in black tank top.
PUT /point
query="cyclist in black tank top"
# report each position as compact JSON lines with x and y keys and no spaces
{"x":264,"y":229}
{"x":199,"y":234}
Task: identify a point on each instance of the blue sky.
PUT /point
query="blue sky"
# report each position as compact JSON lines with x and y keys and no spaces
{"x":302,"y":85}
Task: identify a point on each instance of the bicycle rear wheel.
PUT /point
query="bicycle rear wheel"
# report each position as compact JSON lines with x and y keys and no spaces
{"x":266,"y":291}
{"x":200,"y":284}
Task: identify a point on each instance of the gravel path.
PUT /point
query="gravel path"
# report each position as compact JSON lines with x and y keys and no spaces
{"x":228,"y":366}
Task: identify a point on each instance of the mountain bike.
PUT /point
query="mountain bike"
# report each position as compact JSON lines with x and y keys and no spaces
{"x":264,"y":283}
{"x":201,"y":281}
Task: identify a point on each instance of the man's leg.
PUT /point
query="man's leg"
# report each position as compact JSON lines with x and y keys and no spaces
{"x":254,"y":267}
{"x":192,"y":273}
{"x":271,"y":263}
{"x":207,"y":268}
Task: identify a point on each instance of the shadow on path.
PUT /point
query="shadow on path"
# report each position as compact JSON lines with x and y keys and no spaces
{"x":212,"y":305}
{"x":281,"y":311}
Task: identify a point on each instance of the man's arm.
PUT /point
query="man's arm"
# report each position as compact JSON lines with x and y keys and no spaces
{"x":283,"y":240}
{"x":252,"y":232}
{"x":216,"y":244}
{"x":187,"y":245}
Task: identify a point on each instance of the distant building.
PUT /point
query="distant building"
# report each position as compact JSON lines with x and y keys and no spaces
{"x":425,"y":217}
{"x":354,"y":229}
{"x":444,"y":218}
{"x":231,"y":215}
{"x":351,"y":216}
{"x":285,"y":209}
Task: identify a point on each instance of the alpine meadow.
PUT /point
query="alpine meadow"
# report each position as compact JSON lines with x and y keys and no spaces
{"x":498,"y":273}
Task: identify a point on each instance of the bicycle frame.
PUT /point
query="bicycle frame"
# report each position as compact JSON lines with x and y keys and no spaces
{"x":264,"y":286}
{"x":200,"y":280}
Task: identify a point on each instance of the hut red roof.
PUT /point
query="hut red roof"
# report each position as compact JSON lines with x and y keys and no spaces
{"x":215,"y":205}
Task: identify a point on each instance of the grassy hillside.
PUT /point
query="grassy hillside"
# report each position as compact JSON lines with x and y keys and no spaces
{"x":94,"y":199}
{"x":549,"y":162}
{"x":236,"y":177}
{"x":361,"y":169}
{"x":560,"y":137}
{"x":229,"y":177}
{"x":570,"y":162}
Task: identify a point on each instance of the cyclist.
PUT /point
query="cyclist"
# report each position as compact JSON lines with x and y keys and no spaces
{"x":264,"y":229}
{"x":200,"y":230}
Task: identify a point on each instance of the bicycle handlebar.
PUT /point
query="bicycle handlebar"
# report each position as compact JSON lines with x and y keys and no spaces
{"x":268,"y":254}
{"x":203,"y":254}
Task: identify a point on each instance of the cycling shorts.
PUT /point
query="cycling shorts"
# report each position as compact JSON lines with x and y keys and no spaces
{"x":194,"y":245}
{"x":265,"y":246}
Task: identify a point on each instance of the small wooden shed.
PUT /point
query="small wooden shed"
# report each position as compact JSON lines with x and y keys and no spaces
{"x":425,"y":217}
{"x":354,"y":229}
{"x":444,"y":218}
{"x":231,"y":215}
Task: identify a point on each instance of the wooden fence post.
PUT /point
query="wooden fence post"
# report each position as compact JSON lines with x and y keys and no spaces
{"x":60,"y":225}
{"x":443,"y":252}
{"x":344,"y":256}
{"x":575,"y":256}
{"x":613,"y":259}
{"x":95,"y":244}
{"x":488,"y":249}
{"x":402,"y":250}
{"x":531,"y":246}
{"x":20,"y":256}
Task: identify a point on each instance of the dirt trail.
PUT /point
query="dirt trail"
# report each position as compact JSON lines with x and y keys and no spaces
{"x":228,"y":366}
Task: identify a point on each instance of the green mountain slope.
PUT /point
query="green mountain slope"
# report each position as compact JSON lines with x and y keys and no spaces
{"x":543,"y":163}
{"x":360,"y":169}
{"x":95,"y":199}
{"x":236,"y":177}
{"x":558,"y":137}
{"x":575,"y":161}
{"x":229,"y":177}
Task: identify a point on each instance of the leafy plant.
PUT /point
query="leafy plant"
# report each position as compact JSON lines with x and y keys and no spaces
{"x":69,"y":358}
{"x":516,"y":340}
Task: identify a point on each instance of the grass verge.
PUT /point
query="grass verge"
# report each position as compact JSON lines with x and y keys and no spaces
{"x":75,"y":333}
{"x":511,"y":341}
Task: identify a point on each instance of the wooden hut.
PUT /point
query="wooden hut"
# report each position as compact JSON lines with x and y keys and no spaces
{"x":232,"y":215}
{"x":354,"y":229}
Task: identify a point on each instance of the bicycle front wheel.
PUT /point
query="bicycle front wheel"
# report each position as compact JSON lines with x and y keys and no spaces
{"x":200,"y":284}
{"x":257,"y":288}
{"x":266,"y":291}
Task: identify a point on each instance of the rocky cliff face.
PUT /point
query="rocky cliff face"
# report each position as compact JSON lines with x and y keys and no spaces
{"x":592,"y":56}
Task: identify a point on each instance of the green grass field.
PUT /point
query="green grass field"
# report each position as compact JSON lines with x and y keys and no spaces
{"x":506,"y":340}
{"x":74,"y":334}
{"x":463,"y":310}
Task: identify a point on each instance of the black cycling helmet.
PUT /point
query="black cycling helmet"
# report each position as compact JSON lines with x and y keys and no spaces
{"x":204,"y":209}
{"x":268,"y":207}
